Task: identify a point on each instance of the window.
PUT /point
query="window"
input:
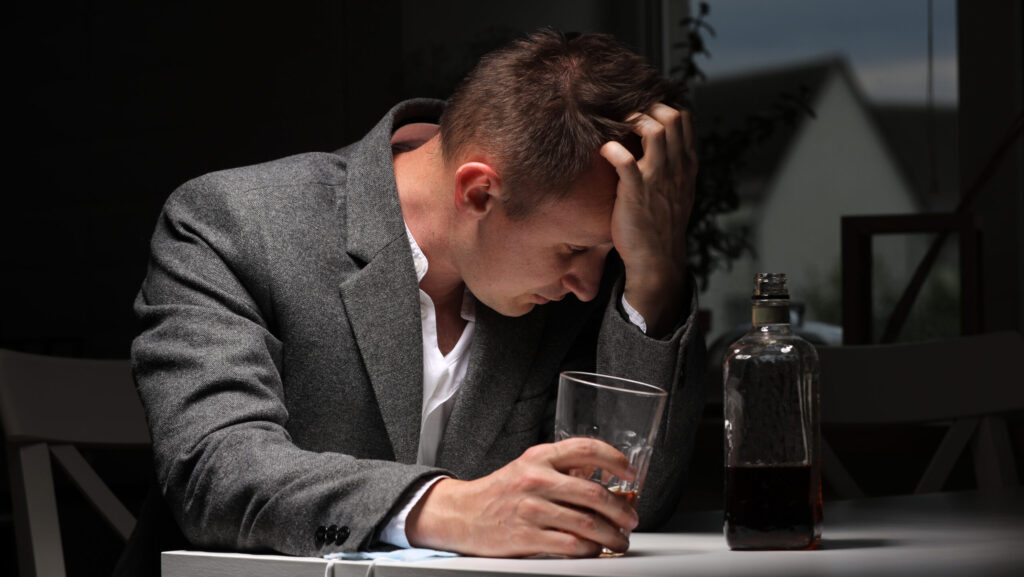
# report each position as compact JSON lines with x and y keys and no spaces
{"x":881,"y":79}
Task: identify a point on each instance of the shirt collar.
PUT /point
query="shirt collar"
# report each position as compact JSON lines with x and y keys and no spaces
{"x":419,"y":261}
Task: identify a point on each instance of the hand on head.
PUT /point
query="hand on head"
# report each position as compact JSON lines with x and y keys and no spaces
{"x":530,"y":506}
{"x":654,"y":199}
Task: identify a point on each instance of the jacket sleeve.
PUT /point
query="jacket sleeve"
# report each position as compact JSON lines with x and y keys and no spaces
{"x":676,"y":363}
{"x":208,"y":369}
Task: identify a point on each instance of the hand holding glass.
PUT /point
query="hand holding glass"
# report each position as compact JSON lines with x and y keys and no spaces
{"x":621,"y":412}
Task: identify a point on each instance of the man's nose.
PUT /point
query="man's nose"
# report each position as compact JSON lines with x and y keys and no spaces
{"x":584,"y":278}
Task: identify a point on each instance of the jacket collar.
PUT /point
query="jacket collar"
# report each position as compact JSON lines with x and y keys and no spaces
{"x":381,"y":300}
{"x":373,"y":215}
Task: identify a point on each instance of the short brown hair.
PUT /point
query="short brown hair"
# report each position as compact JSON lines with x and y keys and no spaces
{"x":543,"y":106}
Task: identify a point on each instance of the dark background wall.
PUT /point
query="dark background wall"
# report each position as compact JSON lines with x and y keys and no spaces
{"x":110,"y":106}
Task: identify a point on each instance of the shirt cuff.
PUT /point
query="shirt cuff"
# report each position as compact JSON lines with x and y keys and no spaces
{"x":394,"y":531}
{"x":633,"y":316}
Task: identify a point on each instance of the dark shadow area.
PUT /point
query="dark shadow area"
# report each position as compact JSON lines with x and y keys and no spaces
{"x":889,"y":460}
{"x":91,"y":547}
{"x":672,"y":552}
{"x":112,"y":107}
{"x":8,"y":552}
{"x":838,"y":544}
{"x":885,"y":461}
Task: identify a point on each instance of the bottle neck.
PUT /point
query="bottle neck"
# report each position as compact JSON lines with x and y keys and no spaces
{"x":770,"y":312}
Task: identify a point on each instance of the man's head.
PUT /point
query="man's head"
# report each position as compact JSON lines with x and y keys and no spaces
{"x":539,"y":109}
{"x":533,"y":196}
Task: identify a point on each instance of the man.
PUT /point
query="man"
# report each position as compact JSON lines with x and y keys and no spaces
{"x":347,"y":350}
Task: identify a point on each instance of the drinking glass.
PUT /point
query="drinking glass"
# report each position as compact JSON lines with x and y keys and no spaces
{"x":621,"y":412}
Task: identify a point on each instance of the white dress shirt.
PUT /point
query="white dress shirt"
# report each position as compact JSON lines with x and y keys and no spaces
{"x":442,"y":373}
{"x":442,"y":377}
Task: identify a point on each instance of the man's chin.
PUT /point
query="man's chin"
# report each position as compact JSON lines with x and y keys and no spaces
{"x":513,"y":309}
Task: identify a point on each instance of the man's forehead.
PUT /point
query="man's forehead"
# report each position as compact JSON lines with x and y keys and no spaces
{"x":584,"y":216}
{"x":588,"y":238}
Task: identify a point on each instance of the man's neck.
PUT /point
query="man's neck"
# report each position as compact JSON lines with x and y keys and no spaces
{"x":427,"y":210}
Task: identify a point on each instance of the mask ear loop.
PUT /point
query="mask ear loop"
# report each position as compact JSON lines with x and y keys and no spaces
{"x":329,"y":568}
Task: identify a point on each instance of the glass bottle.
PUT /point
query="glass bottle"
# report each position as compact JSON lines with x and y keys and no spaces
{"x":772,"y":430}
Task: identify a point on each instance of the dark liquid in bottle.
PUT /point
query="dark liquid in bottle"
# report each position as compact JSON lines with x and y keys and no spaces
{"x":772,"y":508}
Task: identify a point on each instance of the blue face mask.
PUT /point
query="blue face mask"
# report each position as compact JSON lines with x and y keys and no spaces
{"x":410,"y":555}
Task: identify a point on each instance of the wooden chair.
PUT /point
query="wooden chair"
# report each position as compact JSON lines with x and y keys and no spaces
{"x":50,"y":406}
{"x":969,"y":382}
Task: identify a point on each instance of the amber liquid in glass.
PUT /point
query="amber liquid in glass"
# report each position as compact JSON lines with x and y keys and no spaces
{"x":632,"y":497}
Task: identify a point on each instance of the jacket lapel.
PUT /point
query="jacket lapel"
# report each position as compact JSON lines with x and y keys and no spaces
{"x":383,"y":312}
{"x":382,"y":299}
{"x":500,"y":363}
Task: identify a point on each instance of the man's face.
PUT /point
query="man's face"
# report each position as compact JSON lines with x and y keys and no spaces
{"x":558,"y":248}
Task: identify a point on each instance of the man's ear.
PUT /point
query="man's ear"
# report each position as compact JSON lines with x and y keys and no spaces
{"x":477,"y":189}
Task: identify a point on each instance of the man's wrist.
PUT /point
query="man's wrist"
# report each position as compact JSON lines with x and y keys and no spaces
{"x":429,"y":521}
{"x":633,"y":315}
{"x":395,"y":532}
{"x":658,"y":299}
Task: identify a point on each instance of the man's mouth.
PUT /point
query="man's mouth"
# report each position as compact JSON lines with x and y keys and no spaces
{"x":541,"y":299}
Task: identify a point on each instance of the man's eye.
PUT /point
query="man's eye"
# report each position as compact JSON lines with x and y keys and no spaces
{"x":577,"y":249}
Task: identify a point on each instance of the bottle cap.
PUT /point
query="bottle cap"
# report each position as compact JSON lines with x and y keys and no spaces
{"x":770,"y":285}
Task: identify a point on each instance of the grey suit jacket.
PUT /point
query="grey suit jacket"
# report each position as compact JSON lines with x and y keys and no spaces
{"x":280,"y":361}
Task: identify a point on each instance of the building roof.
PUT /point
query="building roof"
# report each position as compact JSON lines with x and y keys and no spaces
{"x":726,"y":104}
{"x":932,"y":171}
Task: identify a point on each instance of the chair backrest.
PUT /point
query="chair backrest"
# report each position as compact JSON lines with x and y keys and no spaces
{"x":49,"y":406}
{"x":971,"y":382}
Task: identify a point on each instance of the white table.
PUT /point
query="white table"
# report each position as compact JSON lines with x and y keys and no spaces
{"x":964,"y":533}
